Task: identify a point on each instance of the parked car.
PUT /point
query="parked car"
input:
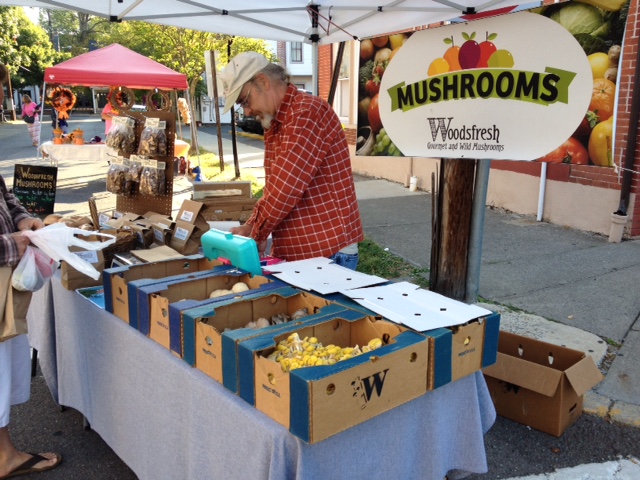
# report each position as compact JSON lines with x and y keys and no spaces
{"x":248,"y":123}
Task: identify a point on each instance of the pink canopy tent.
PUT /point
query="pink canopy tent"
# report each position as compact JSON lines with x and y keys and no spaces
{"x":115,"y":65}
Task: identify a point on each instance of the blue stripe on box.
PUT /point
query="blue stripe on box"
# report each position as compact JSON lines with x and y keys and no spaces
{"x":442,"y":355}
{"x":491,"y":336}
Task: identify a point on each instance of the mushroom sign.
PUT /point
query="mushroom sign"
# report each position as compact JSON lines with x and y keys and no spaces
{"x":512,"y":87}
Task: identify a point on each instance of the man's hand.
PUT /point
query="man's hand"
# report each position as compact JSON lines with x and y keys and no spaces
{"x":31,"y":223}
{"x":262,"y":248}
{"x":21,"y":242}
{"x":242,"y":230}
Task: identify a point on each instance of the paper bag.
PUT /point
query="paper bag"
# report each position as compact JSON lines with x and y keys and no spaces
{"x":14,"y":305}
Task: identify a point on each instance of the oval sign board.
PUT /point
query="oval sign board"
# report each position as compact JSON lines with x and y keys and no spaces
{"x":523,"y":87}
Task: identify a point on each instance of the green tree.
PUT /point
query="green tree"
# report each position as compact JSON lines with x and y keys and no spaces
{"x":180,"y":49}
{"x":24,"y":48}
{"x":71,"y":31}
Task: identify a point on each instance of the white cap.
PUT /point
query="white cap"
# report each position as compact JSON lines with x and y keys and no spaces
{"x":241,"y":68}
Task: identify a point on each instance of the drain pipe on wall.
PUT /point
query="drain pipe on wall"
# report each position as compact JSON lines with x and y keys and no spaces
{"x":543,"y":188}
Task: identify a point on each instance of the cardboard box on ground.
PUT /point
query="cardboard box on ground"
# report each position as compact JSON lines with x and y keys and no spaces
{"x":540,"y":384}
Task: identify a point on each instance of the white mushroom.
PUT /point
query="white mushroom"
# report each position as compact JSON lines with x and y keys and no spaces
{"x":240,"y":287}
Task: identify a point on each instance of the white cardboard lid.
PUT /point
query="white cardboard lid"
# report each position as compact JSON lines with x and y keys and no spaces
{"x":419,"y":309}
{"x":322,"y":275}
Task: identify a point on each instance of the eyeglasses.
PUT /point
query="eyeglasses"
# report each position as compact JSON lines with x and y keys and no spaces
{"x":245,"y":103}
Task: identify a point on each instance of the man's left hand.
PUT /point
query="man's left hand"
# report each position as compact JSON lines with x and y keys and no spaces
{"x":31,"y":223}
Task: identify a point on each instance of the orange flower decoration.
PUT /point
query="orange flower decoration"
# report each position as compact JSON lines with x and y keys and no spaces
{"x":62,"y":100}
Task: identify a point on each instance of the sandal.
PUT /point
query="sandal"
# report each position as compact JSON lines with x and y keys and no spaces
{"x":28,"y":466}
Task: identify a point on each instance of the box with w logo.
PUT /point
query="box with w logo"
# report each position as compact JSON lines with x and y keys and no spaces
{"x":316,"y":402}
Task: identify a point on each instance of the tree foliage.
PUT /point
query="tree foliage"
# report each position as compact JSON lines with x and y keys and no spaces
{"x":180,"y":49}
{"x":73,"y":32}
{"x":24,"y":48}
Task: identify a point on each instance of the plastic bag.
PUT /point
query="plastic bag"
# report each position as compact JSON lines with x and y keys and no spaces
{"x":55,"y":240}
{"x":33,"y":270}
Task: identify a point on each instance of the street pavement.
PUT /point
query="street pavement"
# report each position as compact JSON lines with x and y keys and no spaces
{"x":549,"y":282}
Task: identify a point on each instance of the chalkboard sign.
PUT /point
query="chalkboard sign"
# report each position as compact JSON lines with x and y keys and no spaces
{"x":35,"y":187}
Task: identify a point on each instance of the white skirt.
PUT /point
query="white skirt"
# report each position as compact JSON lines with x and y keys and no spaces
{"x":15,"y":375}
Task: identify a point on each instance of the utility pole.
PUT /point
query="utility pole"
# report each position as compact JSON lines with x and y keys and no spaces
{"x":11,"y":104}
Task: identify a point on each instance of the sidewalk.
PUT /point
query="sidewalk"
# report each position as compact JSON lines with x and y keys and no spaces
{"x":549,"y":282}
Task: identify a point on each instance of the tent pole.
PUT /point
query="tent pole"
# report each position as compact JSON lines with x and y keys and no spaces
{"x":315,"y":38}
{"x":336,"y":73}
{"x":194,"y":130}
{"x":43,"y":97}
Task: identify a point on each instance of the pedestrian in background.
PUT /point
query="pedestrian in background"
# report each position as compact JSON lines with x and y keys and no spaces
{"x":309,"y":203}
{"x":31,"y":115}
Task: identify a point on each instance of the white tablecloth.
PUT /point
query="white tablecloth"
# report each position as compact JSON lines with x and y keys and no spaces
{"x":98,"y":152}
{"x":166,"y":419}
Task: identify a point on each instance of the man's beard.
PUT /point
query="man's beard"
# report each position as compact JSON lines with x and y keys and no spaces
{"x":265,"y":120}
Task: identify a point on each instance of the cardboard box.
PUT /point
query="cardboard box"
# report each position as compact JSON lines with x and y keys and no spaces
{"x":72,"y":279}
{"x":120,"y":296}
{"x":154,"y":300}
{"x":228,"y":209}
{"x":454,"y":352}
{"x":182,"y":238}
{"x":317,"y":402}
{"x":212,"y":332}
{"x":540,"y":384}
{"x":181,"y":338}
{"x":191,"y":212}
{"x":220,"y":190}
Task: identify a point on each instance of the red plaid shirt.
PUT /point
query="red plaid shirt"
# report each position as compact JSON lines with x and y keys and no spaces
{"x":309,"y":204}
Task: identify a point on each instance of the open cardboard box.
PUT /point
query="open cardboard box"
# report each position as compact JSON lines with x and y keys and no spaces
{"x":118,"y":296}
{"x":317,"y":402}
{"x":540,"y":384}
{"x":154,"y":300}
{"x":465,"y":340}
{"x":212,"y":333}
{"x":257,"y":285}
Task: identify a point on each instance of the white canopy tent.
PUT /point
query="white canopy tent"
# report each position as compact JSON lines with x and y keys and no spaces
{"x":317,"y":22}
{"x":286,"y":20}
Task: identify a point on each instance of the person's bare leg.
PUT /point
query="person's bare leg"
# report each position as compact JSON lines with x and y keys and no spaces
{"x":10,"y":457}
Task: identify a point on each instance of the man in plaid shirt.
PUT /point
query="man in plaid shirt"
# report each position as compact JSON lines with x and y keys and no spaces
{"x":309,"y":206}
